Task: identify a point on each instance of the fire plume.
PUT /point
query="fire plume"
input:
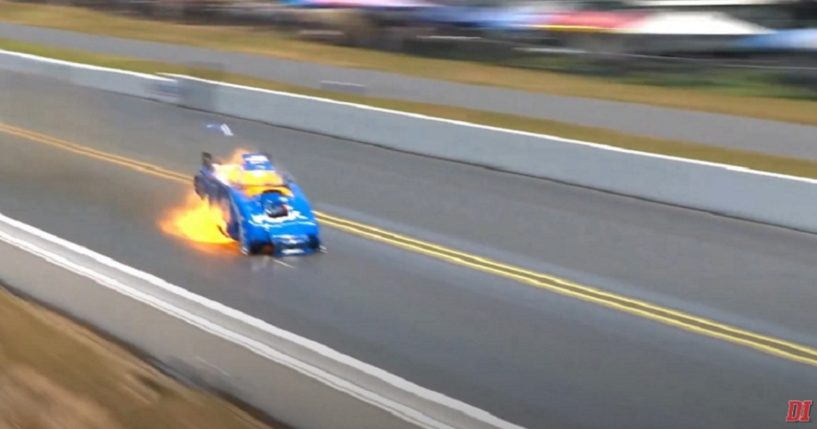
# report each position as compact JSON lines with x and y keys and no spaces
{"x":195,"y":220}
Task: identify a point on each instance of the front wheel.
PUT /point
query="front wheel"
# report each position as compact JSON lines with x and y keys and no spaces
{"x":316,"y":245}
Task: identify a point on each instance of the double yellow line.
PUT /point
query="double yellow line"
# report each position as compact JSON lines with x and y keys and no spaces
{"x":688,"y":322}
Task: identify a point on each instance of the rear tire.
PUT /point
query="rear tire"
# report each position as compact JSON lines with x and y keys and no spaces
{"x":247,"y":248}
{"x":250,"y":249}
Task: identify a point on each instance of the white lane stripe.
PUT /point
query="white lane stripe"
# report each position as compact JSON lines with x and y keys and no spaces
{"x":397,"y":409}
{"x":215,"y":329}
{"x":280,"y":262}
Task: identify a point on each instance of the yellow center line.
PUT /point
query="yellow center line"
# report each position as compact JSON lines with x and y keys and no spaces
{"x":667,"y":316}
{"x":326,"y":218}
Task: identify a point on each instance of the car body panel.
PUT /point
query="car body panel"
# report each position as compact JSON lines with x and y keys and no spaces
{"x":261,"y":205}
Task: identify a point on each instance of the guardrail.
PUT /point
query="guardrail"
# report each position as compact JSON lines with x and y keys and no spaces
{"x":296,"y":380}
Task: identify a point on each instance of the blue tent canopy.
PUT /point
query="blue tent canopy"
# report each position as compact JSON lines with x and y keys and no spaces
{"x":802,"y":39}
{"x":497,"y":18}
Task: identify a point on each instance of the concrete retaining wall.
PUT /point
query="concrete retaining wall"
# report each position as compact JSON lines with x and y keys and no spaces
{"x":296,"y":380}
{"x":123,"y":82}
{"x":729,"y":190}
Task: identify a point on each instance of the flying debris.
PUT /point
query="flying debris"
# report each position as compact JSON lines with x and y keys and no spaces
{"x":222,"y":128}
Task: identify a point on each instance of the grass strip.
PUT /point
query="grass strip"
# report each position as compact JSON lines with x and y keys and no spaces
{"x":275,"y":44}
{"x":749,"y":159}
{"x":57,"y":374}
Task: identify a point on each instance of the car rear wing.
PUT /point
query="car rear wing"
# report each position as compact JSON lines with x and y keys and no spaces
{"x":207,"y":160}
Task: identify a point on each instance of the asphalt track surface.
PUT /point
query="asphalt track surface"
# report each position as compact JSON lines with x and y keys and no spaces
{"x":707,"y":128}
{"x":536,"y":358}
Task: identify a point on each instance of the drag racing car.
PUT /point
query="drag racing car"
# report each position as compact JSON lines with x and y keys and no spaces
{"x":261,"y":207}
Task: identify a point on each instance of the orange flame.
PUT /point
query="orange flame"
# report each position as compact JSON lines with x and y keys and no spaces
{"x":196,"y":221}
{"x":235,"y":158}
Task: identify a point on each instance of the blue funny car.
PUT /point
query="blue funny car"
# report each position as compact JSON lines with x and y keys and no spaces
{"x":262,"y":208}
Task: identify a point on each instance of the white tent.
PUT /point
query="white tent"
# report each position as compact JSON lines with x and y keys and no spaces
{"x":693,"y":24}
{"x":705,"y":3}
